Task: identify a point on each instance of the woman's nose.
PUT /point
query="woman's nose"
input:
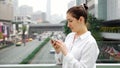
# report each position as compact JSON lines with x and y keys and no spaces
{"x":68,"y":25}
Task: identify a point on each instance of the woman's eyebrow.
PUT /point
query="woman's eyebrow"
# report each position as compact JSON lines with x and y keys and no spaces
{"x":68,"y":19}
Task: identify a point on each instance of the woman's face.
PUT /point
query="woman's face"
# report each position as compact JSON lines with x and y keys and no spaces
{"x":73,"y":23}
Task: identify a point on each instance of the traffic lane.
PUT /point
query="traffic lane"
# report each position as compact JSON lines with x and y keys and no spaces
{"x":44,"y":56}
{"x":14,"y":55}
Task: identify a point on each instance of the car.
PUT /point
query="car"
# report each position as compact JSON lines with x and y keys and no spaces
{"x":18,"y":43}
{"x":52,"y":51}
{"x":39,"y":39}
{"x":30,"y":39}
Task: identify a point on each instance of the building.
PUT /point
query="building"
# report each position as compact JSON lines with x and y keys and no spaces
{"x":6,"y":16}
{"x":93,"y":7}
{"x":102,"y":9}
{"x":38,"y":16}
{"x":25,"y":10}
{"x":48,"y":12}
{"x":108,"y":9}
{"x":6,"y":10}
{"x":15,"y":8}
{"x":71,"y":3}
{"x":79,"y":2}
{"x":113,"y":9}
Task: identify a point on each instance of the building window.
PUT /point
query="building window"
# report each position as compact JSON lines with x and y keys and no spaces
{"x":88,"y":0}
{"x":92,"y":7}
{"x":2,"y":1}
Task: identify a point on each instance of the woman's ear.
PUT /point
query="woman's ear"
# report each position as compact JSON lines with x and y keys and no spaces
{"x":81,"y":19}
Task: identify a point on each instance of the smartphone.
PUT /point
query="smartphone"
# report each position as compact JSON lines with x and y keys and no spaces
{"x":53,"y":38}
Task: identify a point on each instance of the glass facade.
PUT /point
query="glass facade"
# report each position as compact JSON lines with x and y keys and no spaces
{"x":102,"y":9}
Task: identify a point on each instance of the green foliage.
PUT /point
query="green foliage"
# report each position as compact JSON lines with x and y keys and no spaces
{"x":95,"y":25}
{"x":66,"y":29}
{"x":31,"y":56}
{"x":24,"y":28}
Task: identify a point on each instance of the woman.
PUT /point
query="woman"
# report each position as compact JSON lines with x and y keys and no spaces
{"x":80,"y":49}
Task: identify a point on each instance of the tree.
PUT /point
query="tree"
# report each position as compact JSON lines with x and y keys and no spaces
{"x":24,"y":28}
{"x":95,"y":25}
{"x":66,"y":29}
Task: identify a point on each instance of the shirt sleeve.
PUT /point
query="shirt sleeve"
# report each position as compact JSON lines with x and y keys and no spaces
{"x":58,"y":58}
{"x":88,"y":57}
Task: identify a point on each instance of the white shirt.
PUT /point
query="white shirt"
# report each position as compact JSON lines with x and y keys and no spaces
{"x":82,"y":53}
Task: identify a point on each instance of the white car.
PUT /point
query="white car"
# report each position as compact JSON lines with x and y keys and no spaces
{"x":18,"y":43}
{"x":52,"y":51}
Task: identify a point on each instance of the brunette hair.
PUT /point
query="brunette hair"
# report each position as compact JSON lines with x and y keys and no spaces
{"x":78,"y":11}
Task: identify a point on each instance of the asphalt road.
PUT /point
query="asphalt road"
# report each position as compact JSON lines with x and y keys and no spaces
{"x":15,"y":54}
{"x":44,"y":56}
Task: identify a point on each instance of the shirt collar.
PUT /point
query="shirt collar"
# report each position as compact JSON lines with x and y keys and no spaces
{"x":86,"y":34}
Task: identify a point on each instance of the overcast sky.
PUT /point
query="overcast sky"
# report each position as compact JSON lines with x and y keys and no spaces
{"x":57,"y":6}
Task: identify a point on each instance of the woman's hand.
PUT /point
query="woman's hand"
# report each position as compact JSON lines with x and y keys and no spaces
{"x":62,"y":47}
{"x":57,"y":48}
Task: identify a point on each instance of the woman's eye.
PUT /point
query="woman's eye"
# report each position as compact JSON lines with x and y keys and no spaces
{"x":69,"y":21}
